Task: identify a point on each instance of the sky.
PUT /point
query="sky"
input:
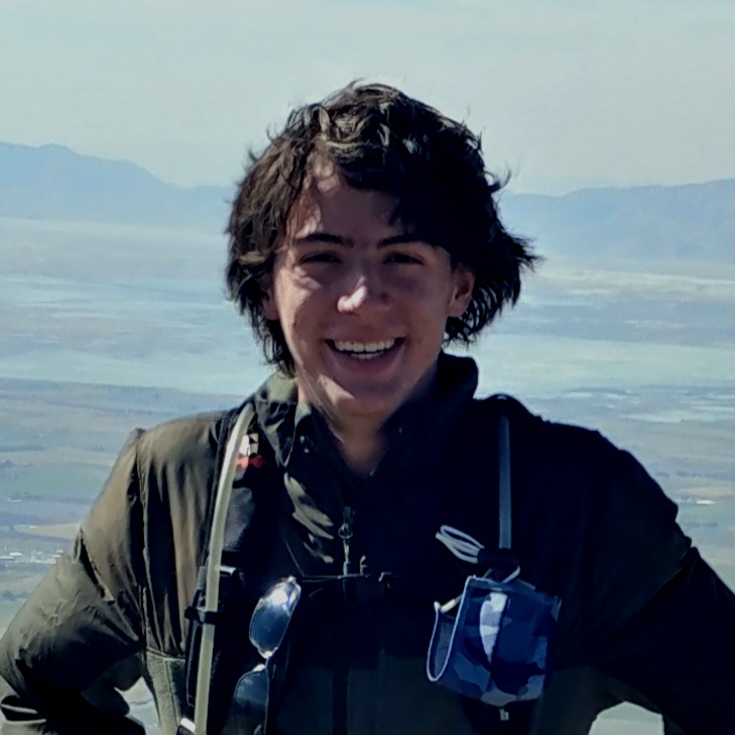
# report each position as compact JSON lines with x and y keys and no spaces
{"x":566,"y":93}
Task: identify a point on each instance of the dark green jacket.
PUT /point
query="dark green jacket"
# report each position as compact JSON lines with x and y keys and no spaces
{"x":643,"y":618}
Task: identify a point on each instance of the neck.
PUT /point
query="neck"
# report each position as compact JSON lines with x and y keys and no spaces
{"x":360,"y":446}
{"x":359,"y":439}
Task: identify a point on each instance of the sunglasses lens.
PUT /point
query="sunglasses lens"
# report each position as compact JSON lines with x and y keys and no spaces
{"x":250,"y":699}
{"x":272,"y":615}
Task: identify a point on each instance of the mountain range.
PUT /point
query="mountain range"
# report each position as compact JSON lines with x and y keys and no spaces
{"x":647,"y":223}
{"x":52,"y":182}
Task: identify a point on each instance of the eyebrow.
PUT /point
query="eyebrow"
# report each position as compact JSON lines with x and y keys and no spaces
{"x":331,"y":239}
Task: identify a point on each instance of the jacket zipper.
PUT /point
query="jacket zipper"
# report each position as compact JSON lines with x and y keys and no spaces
{"x":340,"y":674}
{"x":345,"y":533}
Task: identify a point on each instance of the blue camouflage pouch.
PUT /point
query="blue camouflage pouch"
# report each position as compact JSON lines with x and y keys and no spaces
{"x":492,"y":642}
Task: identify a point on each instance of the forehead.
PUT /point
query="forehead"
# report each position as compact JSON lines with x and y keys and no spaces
{"x":327,"y":203}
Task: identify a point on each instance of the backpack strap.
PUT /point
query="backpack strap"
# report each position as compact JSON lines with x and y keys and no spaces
{"x":227,"y":524}
{"x":499,"y":558}
{"x":505,"y":508}
{"x":225,"y":429}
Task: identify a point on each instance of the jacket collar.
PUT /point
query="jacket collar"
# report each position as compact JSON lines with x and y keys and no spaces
{"x":417,"y":423}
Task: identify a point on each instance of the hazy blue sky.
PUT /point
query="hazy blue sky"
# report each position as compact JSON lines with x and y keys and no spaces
{"x":567,"y":93}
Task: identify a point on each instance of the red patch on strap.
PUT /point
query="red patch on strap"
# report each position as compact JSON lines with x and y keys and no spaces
{"x":244,"y":461}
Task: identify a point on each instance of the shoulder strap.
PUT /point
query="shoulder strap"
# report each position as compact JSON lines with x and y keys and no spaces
{"x":229,"y":526}
{"x":254,"y":464}
{"x":463,"y":545}
{"x":504,"y":493}
{"x":225,"y":428}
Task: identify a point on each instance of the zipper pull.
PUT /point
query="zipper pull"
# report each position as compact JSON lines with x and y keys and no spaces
{"x":345,"y":533}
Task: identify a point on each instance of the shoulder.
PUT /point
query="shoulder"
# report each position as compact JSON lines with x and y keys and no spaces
{"x":180,"y":458}
{"x":531,"y":430}
{"x":578,"y":463}
{"x":156,"y":466}
{"x":578,"y":490}
{"x":181,"y":440}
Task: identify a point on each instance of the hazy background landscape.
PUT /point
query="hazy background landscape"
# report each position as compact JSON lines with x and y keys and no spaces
{"x":125,"y":125}
{"x":112,"y":318}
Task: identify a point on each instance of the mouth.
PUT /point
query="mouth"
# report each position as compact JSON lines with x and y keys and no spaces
{"x":365,"y":351}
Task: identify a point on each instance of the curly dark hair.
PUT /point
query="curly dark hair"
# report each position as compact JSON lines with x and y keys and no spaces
{"x":379,"y":139}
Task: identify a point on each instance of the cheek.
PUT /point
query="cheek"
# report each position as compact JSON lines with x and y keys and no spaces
{"x":298,"y":309}
{"x":413,"y":290}
{"x":425,"y":297}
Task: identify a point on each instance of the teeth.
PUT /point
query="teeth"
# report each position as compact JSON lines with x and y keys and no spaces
{"x":358,"y":348}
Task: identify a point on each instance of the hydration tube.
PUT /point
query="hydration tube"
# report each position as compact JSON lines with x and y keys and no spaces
{"x":214,"y":562}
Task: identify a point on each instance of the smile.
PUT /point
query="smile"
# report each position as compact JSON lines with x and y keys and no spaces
{"x":363,"y":350}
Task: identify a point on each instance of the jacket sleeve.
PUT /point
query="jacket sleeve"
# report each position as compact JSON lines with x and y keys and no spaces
{"x":75,"y":642}
{"x":660,"y":620}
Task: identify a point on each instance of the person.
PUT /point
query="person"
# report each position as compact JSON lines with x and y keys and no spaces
{"x":362,"y":242}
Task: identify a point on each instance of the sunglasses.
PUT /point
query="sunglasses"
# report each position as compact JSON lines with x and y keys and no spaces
{"x":268,"y":627}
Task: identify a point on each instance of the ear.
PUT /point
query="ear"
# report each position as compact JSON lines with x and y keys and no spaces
{"x":462,"y":287}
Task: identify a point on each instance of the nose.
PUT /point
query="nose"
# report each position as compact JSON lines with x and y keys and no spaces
{"x":366,"y":291}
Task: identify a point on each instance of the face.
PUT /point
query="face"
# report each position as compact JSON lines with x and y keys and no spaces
{"x":362,"y":303}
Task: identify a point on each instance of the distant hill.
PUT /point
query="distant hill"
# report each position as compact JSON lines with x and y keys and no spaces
{"x":689,"y":222}
{"x":692,"y":221}
{"x":54,"y":183}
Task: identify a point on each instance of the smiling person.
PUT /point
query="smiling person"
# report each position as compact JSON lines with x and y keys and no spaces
{"x":400,"y":556}
{"x":363,"y":301}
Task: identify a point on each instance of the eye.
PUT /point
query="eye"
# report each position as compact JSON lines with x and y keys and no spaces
{"x":320,"y":257}
{"x":402,"y":257}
